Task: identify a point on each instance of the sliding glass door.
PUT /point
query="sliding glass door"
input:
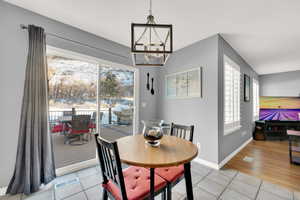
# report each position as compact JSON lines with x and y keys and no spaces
{"x":116,"y":102}
{"x":72,"y":91}
{"x":88,"y":89}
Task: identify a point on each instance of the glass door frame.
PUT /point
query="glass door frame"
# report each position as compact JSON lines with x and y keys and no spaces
{"x":100,"y":63}
{"x":135,"y":93}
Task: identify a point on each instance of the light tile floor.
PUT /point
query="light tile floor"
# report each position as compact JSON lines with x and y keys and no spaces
{"x":208,"y":185}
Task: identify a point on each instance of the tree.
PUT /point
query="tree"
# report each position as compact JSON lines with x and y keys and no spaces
{"x":109,"y":86}
{"x":110,"y":90}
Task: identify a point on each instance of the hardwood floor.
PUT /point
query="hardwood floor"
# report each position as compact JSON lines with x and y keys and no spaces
{"x":271,"y":163}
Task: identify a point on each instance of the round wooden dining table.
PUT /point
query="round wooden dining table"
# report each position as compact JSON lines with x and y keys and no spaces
{"x":173,"y":151}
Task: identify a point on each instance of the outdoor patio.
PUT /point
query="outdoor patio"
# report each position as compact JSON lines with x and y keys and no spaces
{"x":65,"y":154}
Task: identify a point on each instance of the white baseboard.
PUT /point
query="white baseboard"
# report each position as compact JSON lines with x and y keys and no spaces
{"x":228,"y":158}
{"x":75,"y":167}
{"x":206,"y":163}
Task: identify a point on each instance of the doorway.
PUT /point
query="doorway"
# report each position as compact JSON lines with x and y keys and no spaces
{"x":80,"y":85}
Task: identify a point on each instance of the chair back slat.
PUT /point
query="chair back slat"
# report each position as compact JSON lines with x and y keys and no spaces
{"x":111,"y":167}
{"x":110,"y":163}
{"x":80,"y":122}
{"x":182,"y":131}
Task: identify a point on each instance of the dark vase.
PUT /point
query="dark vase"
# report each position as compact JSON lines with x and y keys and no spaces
{"x":153,"y":132}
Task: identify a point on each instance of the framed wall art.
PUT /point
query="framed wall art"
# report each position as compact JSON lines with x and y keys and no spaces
{"x":246,"y":88}
{"x":185,"y":84}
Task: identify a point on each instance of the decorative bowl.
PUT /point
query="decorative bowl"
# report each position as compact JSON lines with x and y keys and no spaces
{"x":153,"y":132}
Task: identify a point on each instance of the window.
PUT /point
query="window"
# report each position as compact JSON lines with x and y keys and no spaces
{"x":232,"y":79}
{"x":255,"y":99}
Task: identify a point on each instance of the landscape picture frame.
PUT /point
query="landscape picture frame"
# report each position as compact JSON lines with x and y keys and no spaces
{"x":184,"y":84}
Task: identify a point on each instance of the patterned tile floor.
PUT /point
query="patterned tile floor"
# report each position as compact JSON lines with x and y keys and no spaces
{"x":208,"y":185}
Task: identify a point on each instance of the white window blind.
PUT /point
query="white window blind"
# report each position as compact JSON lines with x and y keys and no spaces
{"x":255,"y":99}
{"x":232,"y":78}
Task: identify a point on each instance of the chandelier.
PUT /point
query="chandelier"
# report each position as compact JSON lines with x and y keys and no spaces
{"x":151,"y":43}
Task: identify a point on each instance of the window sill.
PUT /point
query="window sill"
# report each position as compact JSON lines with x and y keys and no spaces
{"x":232,"y":130}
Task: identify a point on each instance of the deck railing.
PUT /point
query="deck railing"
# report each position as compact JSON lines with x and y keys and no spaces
{"x":54,"y":115}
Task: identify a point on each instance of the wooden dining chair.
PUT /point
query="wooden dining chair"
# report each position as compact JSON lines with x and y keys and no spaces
{"x":132,"y":183}
{"x":182,"y":131}
{"x":174,"y":175}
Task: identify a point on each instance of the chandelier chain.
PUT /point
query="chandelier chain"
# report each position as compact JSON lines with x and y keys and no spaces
{"x":150,"y":7}
{"x":151,"y":42}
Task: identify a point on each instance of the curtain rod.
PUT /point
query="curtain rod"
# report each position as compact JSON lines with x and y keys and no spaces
{"x":80,"y":43}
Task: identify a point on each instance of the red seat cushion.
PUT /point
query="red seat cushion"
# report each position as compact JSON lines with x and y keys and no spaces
{"x":57,"y":128}
{"x":170,"y":174}
{"x":92,"y":125}
{"x":137,"y":184}
{"x":60,"y":128}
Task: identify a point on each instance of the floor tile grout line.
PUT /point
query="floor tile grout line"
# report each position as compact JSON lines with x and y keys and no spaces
{"x":54,"y":192}
{"x":227,"y":186}
{"x":210,"y":180}
{"x":242,"y":193}
{"x":73,"y":193}
{"x":203,"y":177}
{"x":85,"y":195}
{"x":282,"y":197}
{"x":70,"y":195}
{"x":293,"y":196}
{"x":92,"y":186}
{"x":82,"y":188}
{"x":197,"y":185}
{"x":259,"y":188}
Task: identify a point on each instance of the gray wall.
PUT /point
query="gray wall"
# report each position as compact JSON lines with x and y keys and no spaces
{"x":13,"y":48}
{"x":201,"y":112}
{"x":149,"y":110}
{"x":207,"y":113}
{"x":229,"y":143}
{"x":281,"y":84}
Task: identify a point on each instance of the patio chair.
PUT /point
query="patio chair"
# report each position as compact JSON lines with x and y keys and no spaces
{"x":131,"y":183}
{"x":174,"y":175}
{"x":78,"y":128}
{"x":124,"y":117}
{"x":60,"y":127}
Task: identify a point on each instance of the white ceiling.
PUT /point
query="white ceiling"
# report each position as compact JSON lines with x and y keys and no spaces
{"x":266,"y":33}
